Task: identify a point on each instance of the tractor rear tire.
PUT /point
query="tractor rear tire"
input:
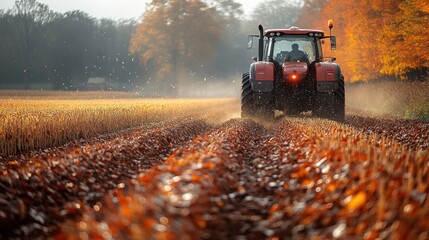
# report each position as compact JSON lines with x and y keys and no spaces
{"x":247,"y":101}
{"x":331,"y":105}
{"x":249,"y":107}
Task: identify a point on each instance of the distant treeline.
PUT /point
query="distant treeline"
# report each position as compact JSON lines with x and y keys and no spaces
{"x":38,"y":45}
{"x":187,"y":43}
{"x":177,"y":43}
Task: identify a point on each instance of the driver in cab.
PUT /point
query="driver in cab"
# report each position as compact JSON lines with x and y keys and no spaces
{"x":296,"y":54}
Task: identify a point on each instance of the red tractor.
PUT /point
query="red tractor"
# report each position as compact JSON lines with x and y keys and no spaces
{"x":290,"y":75}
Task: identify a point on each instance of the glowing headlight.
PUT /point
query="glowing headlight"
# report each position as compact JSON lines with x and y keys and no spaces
{"x":311,"y":34}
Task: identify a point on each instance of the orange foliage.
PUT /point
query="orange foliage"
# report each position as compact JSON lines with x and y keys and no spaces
{"x":375,"y":37}
{"x":407,"y":37}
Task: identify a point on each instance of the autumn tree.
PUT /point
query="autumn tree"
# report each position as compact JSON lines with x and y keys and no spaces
{"x":28,"y":27}
{"x":377,"y":38}
{"x":362,"y":52}
{"x":72,"y":52}
{"x":40,"y":48}
{"x":405,"y":41}
{"x":176,"y":39}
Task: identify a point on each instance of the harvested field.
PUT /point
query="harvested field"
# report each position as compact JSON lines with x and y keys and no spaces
{"x":240,"y":179}
{"x":34,"y":123}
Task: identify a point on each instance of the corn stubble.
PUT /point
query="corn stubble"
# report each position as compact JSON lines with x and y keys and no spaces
{"x":299,"y":179}
{"x":33,"y":124}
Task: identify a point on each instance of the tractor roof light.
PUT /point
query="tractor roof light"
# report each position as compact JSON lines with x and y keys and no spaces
{"x":311,"y":34}
{"x":330,"y":23}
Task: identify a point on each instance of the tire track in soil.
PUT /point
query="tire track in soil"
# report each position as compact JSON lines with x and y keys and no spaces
{"x":299,"y":178}
{"x":44,"y":190}
{"x":247,"y":211}
{"x":187,"y":194}
{"x":230,"y":176}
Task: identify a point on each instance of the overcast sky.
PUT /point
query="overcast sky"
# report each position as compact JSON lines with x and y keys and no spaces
{"x":114,"y":9}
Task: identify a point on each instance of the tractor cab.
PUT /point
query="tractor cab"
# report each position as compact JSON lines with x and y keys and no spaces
{"x":279,"y":44}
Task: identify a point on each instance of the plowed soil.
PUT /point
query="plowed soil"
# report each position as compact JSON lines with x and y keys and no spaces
{"x":292,"y":178}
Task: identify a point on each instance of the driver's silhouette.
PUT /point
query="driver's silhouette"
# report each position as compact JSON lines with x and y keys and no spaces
{"x":295,"y":54}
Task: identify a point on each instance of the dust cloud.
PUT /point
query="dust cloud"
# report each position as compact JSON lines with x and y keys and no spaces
{"x":398,"y":98}
{"x":227,"y":87}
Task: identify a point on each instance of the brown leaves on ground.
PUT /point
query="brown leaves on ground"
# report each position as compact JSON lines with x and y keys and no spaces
{"x":39,"y":193}
{"x":295,"y":178}
{"x":299,"y":178}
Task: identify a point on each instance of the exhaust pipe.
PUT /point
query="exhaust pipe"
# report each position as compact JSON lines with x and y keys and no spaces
{"x":261,"y":43}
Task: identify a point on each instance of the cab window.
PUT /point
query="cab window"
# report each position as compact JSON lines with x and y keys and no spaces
{"x":282,"y":48}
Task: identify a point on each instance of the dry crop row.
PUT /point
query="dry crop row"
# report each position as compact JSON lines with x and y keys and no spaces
{"x":299,"y":179}
{"x":40,"y":192}
{"x":35,"y":124}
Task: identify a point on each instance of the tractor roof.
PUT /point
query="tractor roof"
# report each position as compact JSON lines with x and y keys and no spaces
{"x":292,"y":31}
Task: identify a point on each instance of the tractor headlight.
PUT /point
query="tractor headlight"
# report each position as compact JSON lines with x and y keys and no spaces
{"x":311,"y":34}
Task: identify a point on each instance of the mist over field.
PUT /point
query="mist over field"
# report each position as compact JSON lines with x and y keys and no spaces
{"x":401,"y":99}
{"x":196,"y":45}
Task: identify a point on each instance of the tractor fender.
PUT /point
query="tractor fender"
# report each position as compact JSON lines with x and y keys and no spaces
{"x":262,"y":76}
{"x":328,"y":76}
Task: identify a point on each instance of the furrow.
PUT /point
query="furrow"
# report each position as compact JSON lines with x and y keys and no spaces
{"x":181,"y":199}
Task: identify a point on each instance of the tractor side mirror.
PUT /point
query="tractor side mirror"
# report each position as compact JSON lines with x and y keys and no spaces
{"x":333,"y":42}
{"x":250,"y":41}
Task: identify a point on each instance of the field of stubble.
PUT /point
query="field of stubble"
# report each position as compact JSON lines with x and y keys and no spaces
{"x":211,"y":175}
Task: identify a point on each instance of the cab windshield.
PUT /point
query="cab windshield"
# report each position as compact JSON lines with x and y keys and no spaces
{"x":289,"y":48}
